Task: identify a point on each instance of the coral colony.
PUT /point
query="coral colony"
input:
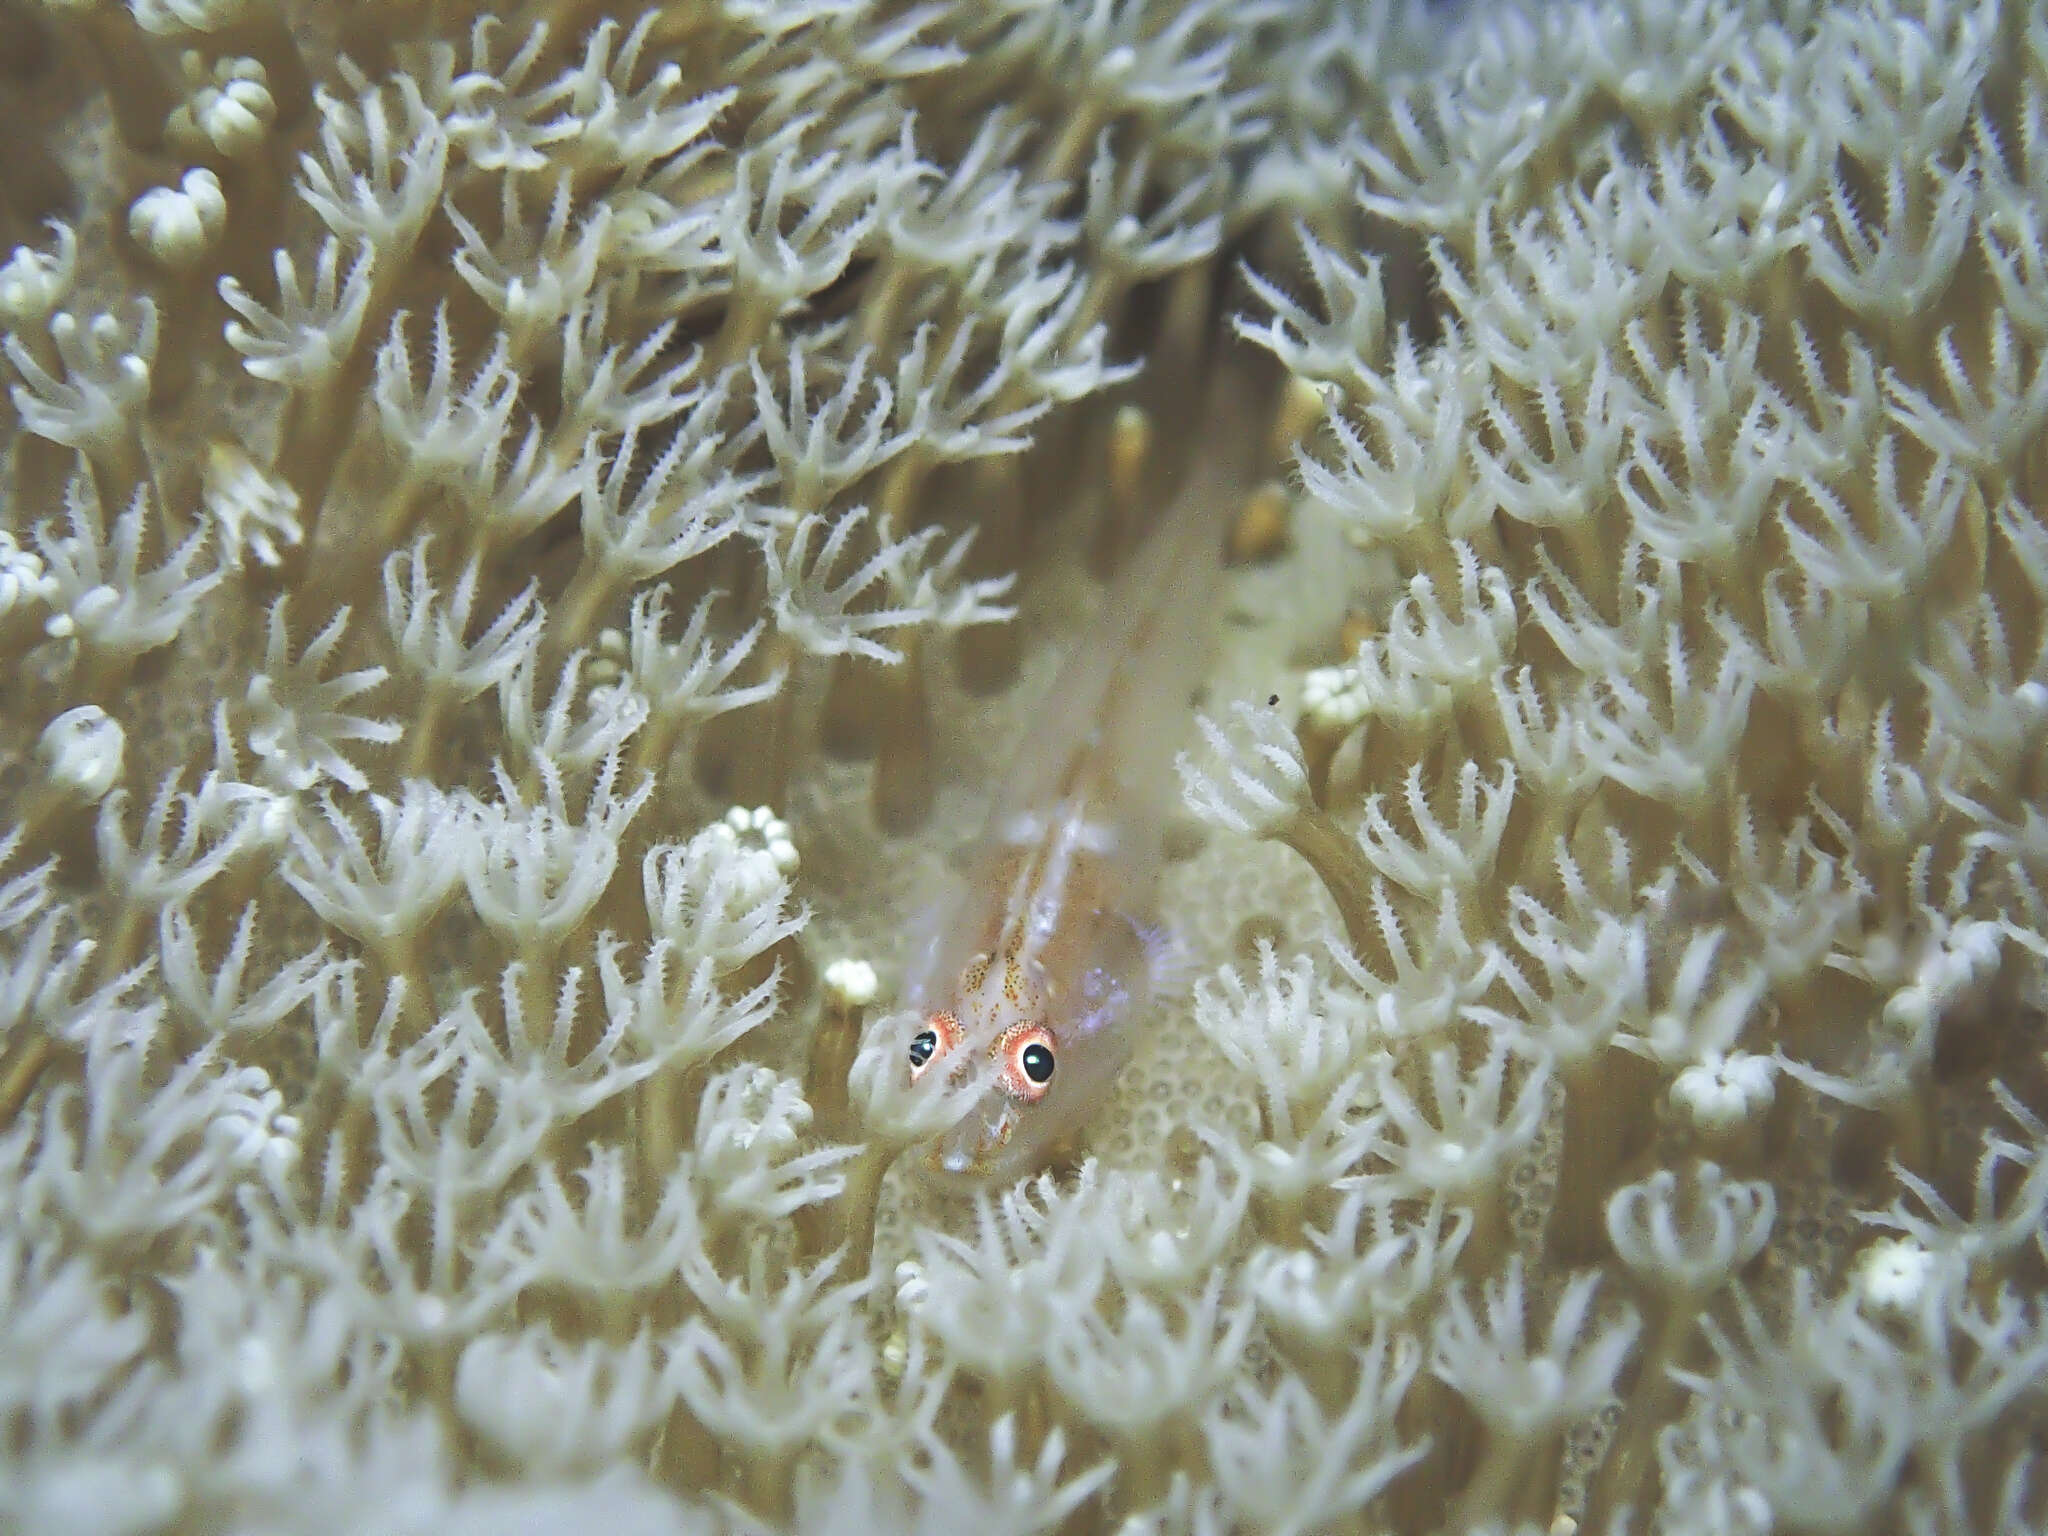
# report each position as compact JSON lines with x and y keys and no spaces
{"x":528,"y":540}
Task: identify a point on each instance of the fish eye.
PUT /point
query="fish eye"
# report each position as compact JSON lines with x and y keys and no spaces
{"x":1027,"y":1062}
{"x":939,"y":1035}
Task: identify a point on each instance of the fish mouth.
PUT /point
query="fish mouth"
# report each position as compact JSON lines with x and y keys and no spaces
{"x":972,"y":1148}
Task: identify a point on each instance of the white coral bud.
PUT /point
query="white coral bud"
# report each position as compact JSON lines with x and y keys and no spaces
{"x":210,"y":993}
{"x":1335,"y":698}
{"x":82,"y":751}
{"x":389,"y":199}
{"x":1677,"y":751}
{"x":1479,"y":1125}
{"x":1136,"y":235}
{"x":761,"y":832}
{"x":821,"y":448}
{"x":538,"y":272}
{"x":613,"y":388}
{"x":1442,"y":857}
{"x":1133,"y":1367}
{"x":1159,"y":1232}
{"x":172,"y":854}
{"x":235,"y":114}
{"x":643,"y":517}
{"x":24,"y":579}
{"x":550,"y":731}
{"x":1289,"y":1467}
{"x":1019,"y":1493}
{"x":850,"y":983}
{"x":232,"y":110}
{"x":430,"y":629}
{"x":601,"y":1240}
{"x":949,"y":418}
{"x":1368,"y":1266}
{"x":252,"y":1131}
{"x":768,"y":1368}
{"x":1296,"y":1294}
{"x":441,"y":427}
{"x":1893,"y":1275}
{"x":378,"y":898}
{"x":1308,"y":346}
{"x":1693,"y":1026}
{"x":1305,"y":1157}
{"x":691,"y":677}
{"x":94,"y":1492}
{"x":127,"y":1159}
{"x":891,"y":589}
{"x":1424,"y":645}
{"x":796,"y":234}
{"x":1724,"y":1091}
{"x":178,"y":225}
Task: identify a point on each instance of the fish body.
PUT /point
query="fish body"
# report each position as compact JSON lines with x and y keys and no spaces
{"x":1035,"y":977}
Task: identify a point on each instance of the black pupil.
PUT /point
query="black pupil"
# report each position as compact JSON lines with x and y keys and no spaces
{"x":922,"y":1044}
{"x":1037,"y":1063}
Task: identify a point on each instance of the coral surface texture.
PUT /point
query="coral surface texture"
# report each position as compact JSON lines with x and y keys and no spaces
{"x":1024,"y":766}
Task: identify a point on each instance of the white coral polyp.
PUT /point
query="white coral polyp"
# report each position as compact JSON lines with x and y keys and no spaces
{"x":1690,"y":1245}
{"x":556,"y":1407}
{"x":751,"y":1128}
{"x":1512,"y":1387}
{"x":256,"y":512}
{"x":33,"y":284}
{"x":717,"y":898}
{"x":104,"y":600}
{"x":1967,"y":956}
{"x":533,"y":873}
{"x":298,"y":725}
{"x":1252,"y":777}
{"x":315,"y":325}
{"x":1295,"y":1293}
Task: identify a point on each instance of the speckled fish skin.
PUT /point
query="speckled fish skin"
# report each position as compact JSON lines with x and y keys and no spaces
{"x":1053,"y":944}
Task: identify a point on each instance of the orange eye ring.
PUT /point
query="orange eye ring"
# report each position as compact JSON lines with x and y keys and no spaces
{"x":940,"y":1034}
{"x":1027,"y":1054}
